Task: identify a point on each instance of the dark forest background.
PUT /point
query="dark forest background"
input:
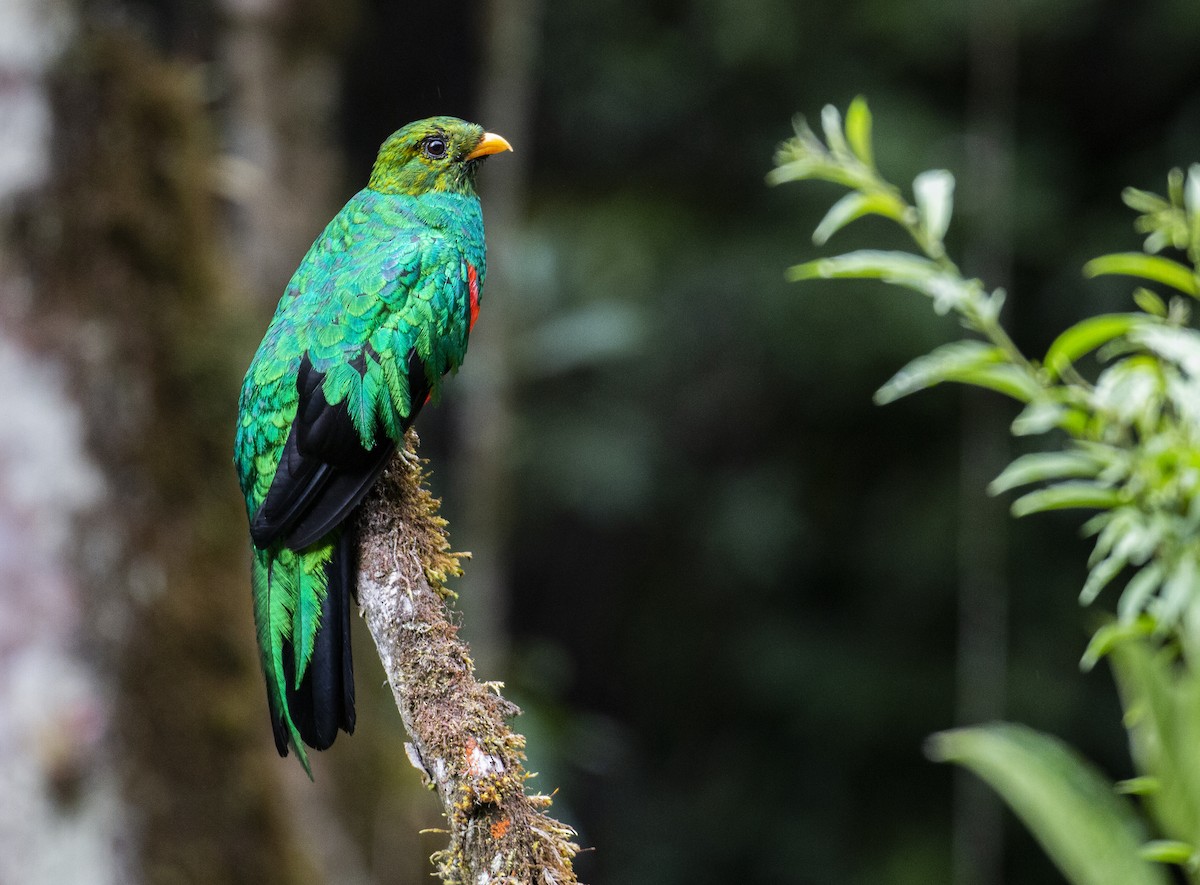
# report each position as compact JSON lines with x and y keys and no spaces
{"x":732,"y":596}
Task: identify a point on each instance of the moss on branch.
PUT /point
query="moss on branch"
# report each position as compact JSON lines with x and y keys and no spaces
{"x":460,"y":739}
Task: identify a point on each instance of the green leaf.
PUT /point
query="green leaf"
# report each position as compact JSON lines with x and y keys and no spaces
{"x":1109,"y":636}
{"x":1149,"y":267}
{"x":1138,"y":591}
{"x":948,"y":290}
{"x":831,"y":125}
{"x":1191,"y":204}
{"x":1179,"y":588}
{"x":1143,"y":201}
{"x":1066,"y":495}
{"x":1158,"y":239}
{"x":1093,"y":835}
{"x":1150,"y":302}
{"x":855,"y":205}
{"x":988,"y":306}
{"x":1160,"y":697}
{"x":858,"y":131}
{"x":1130,"y":390}
{"x":866,"y":264}
{"x":934,"y":193}
{"x":1041,"y":466}
{"x":946,"y":363}
{"x":1175,"y":186}
{"x":1180,"y":346}
{"x":1142,"y":537}
{"x":1003,"y":378}
{"x":819,"y":167}
{"x":1099,"y":577}
{"x":1138,"y":786}
{"x":1167,"y":851}
{"x":1040,"y":416}
{"x":1086,"y":336}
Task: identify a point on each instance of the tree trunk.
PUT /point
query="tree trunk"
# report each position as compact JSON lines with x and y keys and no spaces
{"x":126,"y":260}
{"x":62,"y":818}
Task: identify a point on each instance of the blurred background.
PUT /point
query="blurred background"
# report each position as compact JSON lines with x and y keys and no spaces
{"x":732,"y":596}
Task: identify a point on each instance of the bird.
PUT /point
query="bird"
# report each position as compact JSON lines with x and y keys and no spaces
{"x":377,"y":313}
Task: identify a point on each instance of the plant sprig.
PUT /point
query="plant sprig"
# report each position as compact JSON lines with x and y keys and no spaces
{"x":1132,"y":434}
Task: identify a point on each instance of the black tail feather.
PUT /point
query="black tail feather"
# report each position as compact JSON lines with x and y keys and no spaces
{"x":278,"y":729}
{"x":346,"y":558}
{"x":324,"y":701}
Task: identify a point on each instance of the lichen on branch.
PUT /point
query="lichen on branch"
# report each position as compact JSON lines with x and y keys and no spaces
{"x":459,"y":736}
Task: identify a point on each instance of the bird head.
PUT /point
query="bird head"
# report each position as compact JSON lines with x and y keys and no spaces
{"x":440,"y":154}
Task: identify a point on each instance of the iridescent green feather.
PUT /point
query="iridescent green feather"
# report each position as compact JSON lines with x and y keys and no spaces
{"x":310,"y":591}
{"x":274,"y":599}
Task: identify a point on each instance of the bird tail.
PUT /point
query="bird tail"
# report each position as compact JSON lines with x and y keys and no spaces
{"x":302,"y":611}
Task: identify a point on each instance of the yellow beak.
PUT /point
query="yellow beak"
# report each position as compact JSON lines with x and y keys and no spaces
{"x":491,"y":143}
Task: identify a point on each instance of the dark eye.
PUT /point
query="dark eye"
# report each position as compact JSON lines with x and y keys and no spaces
{"x":434,"y":147}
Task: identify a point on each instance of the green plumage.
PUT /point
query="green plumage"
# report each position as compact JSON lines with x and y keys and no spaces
{"x":378,"y":311}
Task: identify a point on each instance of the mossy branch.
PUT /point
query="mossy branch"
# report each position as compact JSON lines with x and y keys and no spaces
{"x":460,"y":739}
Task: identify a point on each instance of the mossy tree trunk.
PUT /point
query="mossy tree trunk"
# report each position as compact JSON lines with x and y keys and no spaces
{"x":127,"y":266}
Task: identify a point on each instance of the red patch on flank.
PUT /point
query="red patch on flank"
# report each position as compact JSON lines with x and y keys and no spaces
{"x":473,"y":288}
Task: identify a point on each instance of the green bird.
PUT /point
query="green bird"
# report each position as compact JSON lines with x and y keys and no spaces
{"x":377,"y":313}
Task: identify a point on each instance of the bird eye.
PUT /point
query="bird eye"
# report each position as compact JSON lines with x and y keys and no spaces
{"x":434,"y":147}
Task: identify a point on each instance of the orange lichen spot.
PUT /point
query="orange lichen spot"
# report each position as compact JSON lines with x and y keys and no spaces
{"x":473,"y":755}
{"x":500,"y":827}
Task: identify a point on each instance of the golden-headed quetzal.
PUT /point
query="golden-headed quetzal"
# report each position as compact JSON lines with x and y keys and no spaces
{"x":378,"y":311}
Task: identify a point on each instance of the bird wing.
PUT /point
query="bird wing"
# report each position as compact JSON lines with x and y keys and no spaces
{"x":379,"y":311}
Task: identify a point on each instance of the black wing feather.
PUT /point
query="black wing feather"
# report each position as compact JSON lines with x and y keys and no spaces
{"x":325,"y":471}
